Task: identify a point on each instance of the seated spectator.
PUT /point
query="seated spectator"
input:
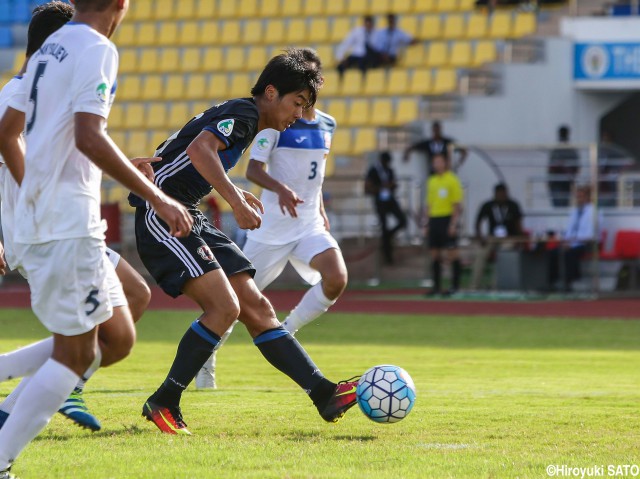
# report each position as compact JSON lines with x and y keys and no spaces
{"x":388,"y":41}
{"x":505,"y":222}
{"x":356,"y":50}
{"x":578,"y":236}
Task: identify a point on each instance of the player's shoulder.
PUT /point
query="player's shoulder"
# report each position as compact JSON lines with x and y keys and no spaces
{"x":237,"y":106}
{"x":326,"y":118}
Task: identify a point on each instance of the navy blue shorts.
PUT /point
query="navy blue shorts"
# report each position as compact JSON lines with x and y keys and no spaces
{"x":173,"y":261}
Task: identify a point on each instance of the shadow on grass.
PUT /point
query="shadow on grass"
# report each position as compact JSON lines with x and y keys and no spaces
{"x":127,"y":430}
{"x":306,"y":435}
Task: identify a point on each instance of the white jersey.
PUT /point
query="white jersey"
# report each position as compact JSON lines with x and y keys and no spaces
{"x":74,"y":71}
{"x":8,"y":186}
{"x":296,"y":157}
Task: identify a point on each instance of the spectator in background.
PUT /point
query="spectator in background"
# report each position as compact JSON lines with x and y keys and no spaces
{"x":443,"y":209}
{"x":381,"y":184}
{"x":564,"y":164}
{"x":356,"y":50}
{"x":437,"y":145}
{"x":505,"y":221}
{"x":388,"y":42}
{"x":579,"y":234}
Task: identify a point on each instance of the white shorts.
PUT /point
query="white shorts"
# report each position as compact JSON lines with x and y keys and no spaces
{"x":270,"y":260}
{"x":113,"y":257}
{"x":74,"y":287}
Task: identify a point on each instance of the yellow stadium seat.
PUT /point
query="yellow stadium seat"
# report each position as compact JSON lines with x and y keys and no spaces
{"x":252,"y":32}
{"x":525,"y":24}
{"x":206,"y":9}
{"x":218,"y":86}
{"x":446,"y":81}
{"x":460,"y":56}
{"x":380,"y":7}
{"x":334,"y":8}
{"x":365,"y":140}
{"x":140,"y":11}
{"x":168,"y":34}
{"x":149,"y":61}
{"x":157,"y":138}
{"x":318,"y":30}
{"x":269,"y":8}
{"x":430,"y":27}
{"x":406,"y":111}
{"x":359,"y":112}
{"x":500,"y":26}
{"x":234,"y":59}
{"x":296,"y":31}
{"x":212,"y":59}
{"x":340,"y":28}
{"x":331,"y":83}
{"x":321,"y":105}
{"x":151,"y":87}
{"x":466,"y":5}
{"x":188,"y":34}
{"x":446,"y":5}
{"x":257,"y":58}
{"x":174,"y":87}
{"x":454,"y":26}
{"x":180,"y":115}
{"x":476,"y":26}
{"x":200,"y":106}
{"x":186,"y":9}
{"x":156,"y":115}
{"x":375,"y":82}
{"x":413,"y":56}
{"x":325,"y":52}
{"x":164,"y":9}
{"x":424,"y":6}
{"x":275,"y":31}
{"x":116,"y":116}
{"x":341,"y":143}
{"x":130,"y":88}
{"x":146,"y":35}
{"x":18,"y":61}
{"x":401,"y":6}
{"x":227,"y":9}
{"x":338,"y":110}
{"x":420,"y":83}
{"x":134,"y":117}
{"x":313,"y":8}
{"x":240,"y":85}
{"x":208,"y":33}
{"x":438,"y":54}
{"x":398,"y":82}
{"x":196,"y":87}
{"x":119,"y":137}
{"x":351,"y":83}
{"x":230,"y":33}
{"x":137,"y":144}
{"x":291,"y":8}
{"x":409,"y":24}
{"x":125,"y":35}
{"x":485,"y":52}
{"x":247,"y":8}
{"x":188,"y":61}
{"x":330,"y":166}
{"x":128,"y":60}
{"x":357,"y":7}
{"x":381,"y":112}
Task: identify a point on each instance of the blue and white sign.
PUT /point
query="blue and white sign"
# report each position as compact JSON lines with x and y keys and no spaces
{"x":607,"y":65}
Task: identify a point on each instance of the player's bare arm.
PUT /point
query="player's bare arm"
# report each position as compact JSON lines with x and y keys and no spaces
{"x":3,"y":264}
{"x":323,"y":213}
{"x":287,"y":198}
{"x":203,"y":152}
{"x":93,"y":142}
{"x":11,"y":142}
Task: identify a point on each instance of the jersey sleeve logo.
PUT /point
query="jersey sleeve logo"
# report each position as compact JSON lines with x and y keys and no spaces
{"x":263,"y":144}
{"x":101,"y":92}
{"x":226,"y":126}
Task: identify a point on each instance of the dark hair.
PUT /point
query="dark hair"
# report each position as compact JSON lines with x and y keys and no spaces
{"x":311,"y":56}
{"x":92,"y":5}
{"x":385,"y":157}
{"x":46,"y":19}
{"x":500,"y":187}
{"x":563,"y":132}
{"x":290,"y":72}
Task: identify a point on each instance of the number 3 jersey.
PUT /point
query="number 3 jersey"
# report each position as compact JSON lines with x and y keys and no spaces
{"x":74,"y":71}
{"x":296,"y":157}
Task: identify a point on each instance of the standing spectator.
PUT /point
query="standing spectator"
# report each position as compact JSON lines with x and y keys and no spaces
{"x":437,"y":145}
{"x":505,"y":221}
{"x":444,"y":207}
{"x":381,"y":184}
{"x":388,"y":41}
{"x":579,"y":233}
{"x":356,"y":50}
{"x":564,"y":164}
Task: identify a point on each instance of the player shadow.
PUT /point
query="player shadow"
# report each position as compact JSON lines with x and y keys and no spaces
{"x":128,"y":429}
{"x":303,"y":435}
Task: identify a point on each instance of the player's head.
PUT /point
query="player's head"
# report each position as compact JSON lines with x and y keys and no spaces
{"x":439,"y":163}
{"x":391,"y":21}
{"x":583,"y":195}
{"x":385,"y":158}
{"x":500,"y":192}
{"x":287,"y":85}
{"x":436,"y":129}
{"x":46,"y":19}
{"x":563,"y":134}
{"x":116,"y":8}
{"x":368,"y":22}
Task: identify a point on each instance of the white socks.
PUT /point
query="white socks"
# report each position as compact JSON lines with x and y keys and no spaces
{"x":40,"y":399}
{"x":312,"y":305}
{"x":25,"y":361}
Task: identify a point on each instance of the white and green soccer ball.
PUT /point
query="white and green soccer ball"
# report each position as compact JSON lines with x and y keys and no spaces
{"x":386,"y":393}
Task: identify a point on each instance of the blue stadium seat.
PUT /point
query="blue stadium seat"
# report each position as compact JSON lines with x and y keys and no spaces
{"x":5,"y":10}
{"x":6,"y":39}
{"x":21,"y":12}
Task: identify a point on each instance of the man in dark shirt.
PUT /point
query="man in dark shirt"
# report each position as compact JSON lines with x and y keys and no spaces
{"x":207,"y":266}
{"x":437,"y":145}
{"x":564,"y":164}
{"x":505,"y":221}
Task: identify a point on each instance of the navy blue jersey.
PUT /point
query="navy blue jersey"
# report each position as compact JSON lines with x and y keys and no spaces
{"x":234,"y":122}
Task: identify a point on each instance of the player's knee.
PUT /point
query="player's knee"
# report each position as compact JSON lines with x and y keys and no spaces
{"x":138,"y":299}
{"x":334,"y":284}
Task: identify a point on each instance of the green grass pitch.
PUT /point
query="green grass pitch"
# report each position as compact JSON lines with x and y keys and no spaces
{"x":497,"y":397}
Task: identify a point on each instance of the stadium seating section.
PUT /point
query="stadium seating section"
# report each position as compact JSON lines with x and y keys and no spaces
{"x":177,"y":57}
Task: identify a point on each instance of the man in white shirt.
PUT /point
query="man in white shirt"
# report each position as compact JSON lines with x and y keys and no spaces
{"x":63,"y":105}
{"x":389,"y":41}
{"x":356,"y":50}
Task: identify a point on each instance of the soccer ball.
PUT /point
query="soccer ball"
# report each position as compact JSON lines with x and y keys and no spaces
{"x":386,"y":393}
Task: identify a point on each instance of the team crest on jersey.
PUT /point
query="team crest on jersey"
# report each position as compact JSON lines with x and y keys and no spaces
{"x":101,"y":92}
{"x":205,"y":253}
{"x":263,"y":143}
{"x":226,"y":126}
{"x":327,"y":140}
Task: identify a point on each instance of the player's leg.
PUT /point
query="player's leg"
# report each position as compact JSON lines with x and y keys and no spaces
{"x":136,"y":289}
{"x":437,"y":237}
{"x":285,"y":353}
